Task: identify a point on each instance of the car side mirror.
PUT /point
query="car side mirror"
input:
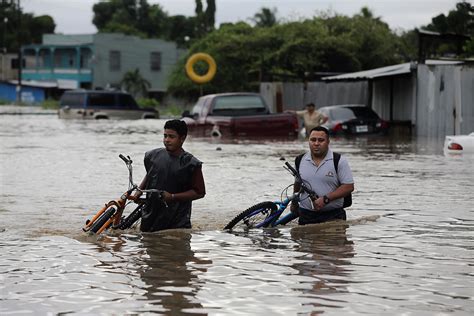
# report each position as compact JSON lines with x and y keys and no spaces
{"x":186,"y":114}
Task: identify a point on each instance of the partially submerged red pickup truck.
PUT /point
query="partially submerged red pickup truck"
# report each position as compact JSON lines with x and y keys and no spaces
{"x":232,"y":115}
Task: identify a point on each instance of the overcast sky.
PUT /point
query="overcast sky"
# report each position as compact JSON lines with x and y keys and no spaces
{"x":75,"y":16}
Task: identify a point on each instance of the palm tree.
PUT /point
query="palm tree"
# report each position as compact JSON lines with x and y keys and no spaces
{"x":135,"y":84}
{"x":265,"y":17}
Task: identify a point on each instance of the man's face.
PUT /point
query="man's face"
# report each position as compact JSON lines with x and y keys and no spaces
{"x":172,"y":140}
{"x":318,"y":143}
{"x":310,"y":109}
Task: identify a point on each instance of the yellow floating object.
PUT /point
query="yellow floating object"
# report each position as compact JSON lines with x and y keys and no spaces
{"x":211,"y":71}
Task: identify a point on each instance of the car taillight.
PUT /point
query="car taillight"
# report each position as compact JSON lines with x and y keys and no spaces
{"x":381,"y":124}
{"x":296,"y":125}
{"x":454,"y":146}
{"x":337,"y":127}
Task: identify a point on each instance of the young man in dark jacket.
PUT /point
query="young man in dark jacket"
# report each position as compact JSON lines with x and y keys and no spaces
{"x":177,"y":173}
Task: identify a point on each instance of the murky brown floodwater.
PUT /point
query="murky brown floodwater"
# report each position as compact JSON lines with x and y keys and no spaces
{"x":406,"y":249}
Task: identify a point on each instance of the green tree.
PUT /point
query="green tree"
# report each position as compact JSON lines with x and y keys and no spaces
{"x":205,"y":20}
{"x":18,"y":28}
{"x":135,"y":84}
{"x":138,"y":17}
{"x":459,"y":21}
{"x":131,"y":17}
{"x":181,"y":30}
{"x":265,"y":17}
{"x":246,"y":55}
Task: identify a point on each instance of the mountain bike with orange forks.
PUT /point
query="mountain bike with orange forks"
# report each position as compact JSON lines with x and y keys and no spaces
{"x":110,"y":215}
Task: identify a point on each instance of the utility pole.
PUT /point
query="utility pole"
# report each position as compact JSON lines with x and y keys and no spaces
{"x":4,"y":47}
{"x":20,"y":57}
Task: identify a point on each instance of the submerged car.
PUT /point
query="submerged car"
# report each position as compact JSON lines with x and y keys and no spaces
{"x":459,"y":144}
{"x":352,"y":119}
{"x":97,"y":104}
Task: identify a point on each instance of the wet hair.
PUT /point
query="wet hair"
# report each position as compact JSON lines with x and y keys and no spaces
{"x":178,"y":126}
{"x":320,"y":129}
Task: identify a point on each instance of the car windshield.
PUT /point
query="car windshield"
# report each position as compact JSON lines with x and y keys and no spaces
{"x":238,"y":103}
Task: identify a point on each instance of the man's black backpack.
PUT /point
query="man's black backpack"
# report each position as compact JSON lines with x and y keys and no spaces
{"x":336,"y":158}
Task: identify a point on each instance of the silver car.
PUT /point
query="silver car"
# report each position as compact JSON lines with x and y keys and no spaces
{"x":97,"y":104}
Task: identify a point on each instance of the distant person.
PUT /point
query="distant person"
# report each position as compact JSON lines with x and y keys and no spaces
{"x":318,"y":169}
{"x":176,"y":172}
{"x":311,"y":117}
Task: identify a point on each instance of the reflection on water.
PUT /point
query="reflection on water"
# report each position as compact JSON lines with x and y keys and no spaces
{"x":327,"y":251}
{"x":407,"y":247}
{"x":170,"y":272}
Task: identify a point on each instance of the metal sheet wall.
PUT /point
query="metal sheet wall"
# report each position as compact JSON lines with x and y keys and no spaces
{"x":439,"y":100}
{"x":295,"y":97}
{"x":445,"y":100}
{"x":404,"y":98}
{"x":467,"y":100}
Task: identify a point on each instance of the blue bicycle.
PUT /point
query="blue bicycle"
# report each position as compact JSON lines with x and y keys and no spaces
{"x":267,"y":214}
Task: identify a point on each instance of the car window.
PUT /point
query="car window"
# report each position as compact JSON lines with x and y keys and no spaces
{"x":126,"y":101}
{"x":73,"y":100}
{"x":364,"y":112}
{"x":239,"y":105}
{"x":342,"y":114}
{"x":101,"y":100}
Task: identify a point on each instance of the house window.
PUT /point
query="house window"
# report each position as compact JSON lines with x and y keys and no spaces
{"x":114,"y":60}
{"x":155,"y":61}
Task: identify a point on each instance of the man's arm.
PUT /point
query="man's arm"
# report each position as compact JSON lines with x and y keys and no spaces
{"x":342,"y":191}
{"x":294,"y":207}
{"x":198,"y":189}
{"x":142,"y":186}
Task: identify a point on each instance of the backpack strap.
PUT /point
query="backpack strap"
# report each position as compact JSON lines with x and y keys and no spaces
{"x":298,"y":162}
{"x":336,"y":157}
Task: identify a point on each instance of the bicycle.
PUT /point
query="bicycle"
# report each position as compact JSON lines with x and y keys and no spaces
{"x":110,"y":215}
{"x":267,"y":214}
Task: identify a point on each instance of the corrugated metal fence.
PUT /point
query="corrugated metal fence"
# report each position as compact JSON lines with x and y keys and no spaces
{"x":438,"y":100}
{"x":294,"y":96}
{"x":445,"y":100}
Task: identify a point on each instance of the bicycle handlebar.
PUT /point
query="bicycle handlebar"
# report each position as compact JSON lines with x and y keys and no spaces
{"x":292,"y":170}
{"x":296,"y":174}
{"x":127,"y":159}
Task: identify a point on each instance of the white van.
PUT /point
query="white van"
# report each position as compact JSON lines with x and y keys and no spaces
{"x":97,"y":104}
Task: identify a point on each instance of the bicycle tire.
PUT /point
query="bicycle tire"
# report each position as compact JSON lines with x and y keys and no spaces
{"x":247,"y":220}
{"x":102,"y":220}
{"x":128,"y":221}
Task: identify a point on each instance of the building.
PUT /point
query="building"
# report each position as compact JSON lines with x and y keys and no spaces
{"x":98,"y":61}
{"x":433,"y":99}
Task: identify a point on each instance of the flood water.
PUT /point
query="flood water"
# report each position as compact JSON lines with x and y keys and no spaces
{"x":407,"y":247}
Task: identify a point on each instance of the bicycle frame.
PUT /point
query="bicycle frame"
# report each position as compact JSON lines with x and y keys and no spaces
{"x":110,"y":215}
{"x":274,"y":219}
{"x":272,"y":215}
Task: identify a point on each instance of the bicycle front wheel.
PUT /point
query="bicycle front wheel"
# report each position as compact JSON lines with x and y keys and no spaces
{"x":102,"y":220}
{"x":128,"y":222}
{"x":253,"y":216}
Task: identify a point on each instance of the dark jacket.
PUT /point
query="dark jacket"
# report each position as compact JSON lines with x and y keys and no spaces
{"x":172,"y":174}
